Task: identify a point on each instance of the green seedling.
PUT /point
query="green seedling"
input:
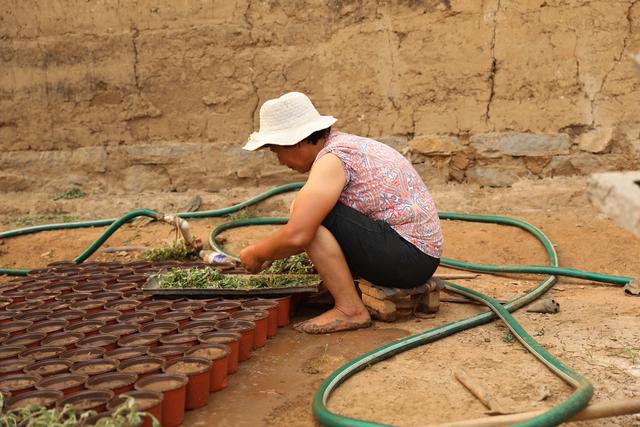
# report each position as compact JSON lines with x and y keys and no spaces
{"x":509,"y":338}
{"x":72,"y":193}
{"x":177,"y":250}
{"x":208,"y":278}
{"x":296,"y":264}
{"x":27,"y":221}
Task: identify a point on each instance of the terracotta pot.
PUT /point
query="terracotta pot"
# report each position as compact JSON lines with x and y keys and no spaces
{"x":137,"y":317}
{"x":227,"y":306}
{"x":163,"y":327}
{"x":118,"y":382}
{"x":198,"y":327}
{"x":54,"y":306}
{"x":95,"y":367}
{"x":10,"y":286}
{"x":87,"y":327}
{"x":4,"y":301}
{"x":16,"y":295}
{"x":66,"y":383}
{"x":29,"y":340}
{"x":261,"y":319}
{"x":64,"y":339}
{"x":48,"y":367}
{"x":157,"y":307}
{"x":198,"y":370}
{"x":146,"y":338}
{"x":271,"y":307}
{"x":15,"y":327}
{"x":6,"y":317}
{"x":121,"y":271}
{"x":18,"y":384}
{"x":48,"y":326}
{"x":33,"y":315}
{"x":109,"y":317}
{"x":125,"y":353}
{"x":46,"y":398}
{"x":144,"y":401}
{"x":218,"y":354}
{"x":169,"y":352}
{"x":246,"y":329}
{"x":231,"y":340}
{"x":72,"y":316}
{"x":143,"y":366}
{"x":211,"y":315}
{"x":120,"y":329}
{"x":38,"y":285}
{"x":42,"y":353}
{"x":123,"y":287}
{"x":109,"y":295}
{"x":108,"y":342}
{"x":181,"y":317}
{"x":138,"y":264}
{"x":138,"y":295}
{"x":4,"y":336}
{"x":63,"y":286}
{"x":122,"y":305}
{"x":107,"y":278}
{"x":81,"y":354}
{"x":179,"y":339}
{"x":174,"y":389}
{"x":11,"y":351}
{"x":13,"y":366}
{"x":134,"y":278}
{"x":189,"y":305}
{"x":87,"y":400}
{"x":90,"y":306}
{"x":91,"y":286}
{"x":17,"y":307}
{"x":72,"y":297}
{"x":284,"y":309}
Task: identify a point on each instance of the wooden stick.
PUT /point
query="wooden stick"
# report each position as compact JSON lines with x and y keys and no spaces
{"x":452,"y":276}
{"x":479,"y":391}
{"x":591,"y":412}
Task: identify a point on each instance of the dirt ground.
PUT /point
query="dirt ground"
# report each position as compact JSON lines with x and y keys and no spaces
{"x":596,"y":332}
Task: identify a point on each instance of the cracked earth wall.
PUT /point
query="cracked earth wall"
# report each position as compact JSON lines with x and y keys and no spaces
{"x":159,"y":95}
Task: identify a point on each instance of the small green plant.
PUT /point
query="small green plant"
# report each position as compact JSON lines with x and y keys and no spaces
{"x":38,"y":416}
{"x":208,"y":278}
{"x":72,"y":193}
{"x":27,"y":221}
{"x":242,"y":214}
{"x":296,"y":264}
{"x":629,"y":353}
{"x":177,"y":250}
{"x":509,"y":338}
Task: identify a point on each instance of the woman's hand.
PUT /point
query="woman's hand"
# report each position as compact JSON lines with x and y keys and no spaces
{"x":250,"y":260}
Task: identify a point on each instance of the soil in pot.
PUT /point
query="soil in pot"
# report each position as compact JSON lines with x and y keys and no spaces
{"x":109,"y":296}
{"x":198,"y":327}
{"x":72,"y":316}
{"x":10,"y":351}
{"x":157,"y":307}
{"x":143,"y":365}
{"x":271,"y":307}
{"x":218,"y":354}
{"x":87,"y":327}
{"x":141,"y":338}
{"x":41,"y":353}
{"x":246,"y":329}
{"x":63,"y":339}
{"x":28,"y":340}
{"x":120,"y":329}
{"x":46,"y":398}
{"x":122,"y":305}
{"x":198,"y":370}
{"x":48,"y":326}
{"x":118,"y":382}
{"x":48,"y":367}
{"x":181,"y":317}
{"x":66,"y":383}
{"x":13,"y":366}
{"x":163,"y":327}
{"x":34,"y":315}
{"x":179,"y":339}
{"x":19,"y":383}
{"x":108,"y":342}
{"x":125,"y":353}
{"x":145,"y":401}
{"x":227,"y":306}
{"x":137,"y":317}
{"x":109,"y":317}
{"x":174,"y":389}
{"x":87,"y":400}
{"x":189,"y":305}
{"x":95,"y":367}
{"x":169,"y":352}
{"x":15,"y":327}
{"x":231,"y":340}
{"x":82,"y":354}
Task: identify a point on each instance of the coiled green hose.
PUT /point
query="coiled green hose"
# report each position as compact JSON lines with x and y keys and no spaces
{"x":578,"y":400}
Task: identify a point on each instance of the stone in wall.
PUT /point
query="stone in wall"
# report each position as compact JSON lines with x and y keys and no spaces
{"x":596,"y":141}
{"x":520,"y":144}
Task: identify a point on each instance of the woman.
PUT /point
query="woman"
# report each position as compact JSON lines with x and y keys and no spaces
{"x":364,"y":210}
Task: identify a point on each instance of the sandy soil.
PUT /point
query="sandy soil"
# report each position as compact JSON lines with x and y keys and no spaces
{"x":597,"y":331}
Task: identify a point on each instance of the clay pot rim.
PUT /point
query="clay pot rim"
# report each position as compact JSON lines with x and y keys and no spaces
{"x":34,"y":377}
{"x":44,"y":348}
{"x":116,"y":302}
{"x":53,"y":394}
{"x":227,"y":304}
{"x":234,"y":335}
{"x":241,"y":325}
{"x":96,"y":315}
{"x":189,"y":359}
{"x":175,"y":314}
{"x":53,"y":379}
{"x":91,"y":395}
{"x":224,"y":347}
{"x":117,"y":351}
{"x":40,"y":336}
{"x":146,"y":394}
{"x":124,"y":341}
{"x":99,"y":361}
{"x":9,"y":348}
{"x":46,"y":362}
{"x":16,"y":323}
{"x":111,"y":339}
{"x":183,"y":379}
{"x":93,"y":381}
{"x":170,"y":350}
{"x":89,"y":350}
{"x":168,"y":339}
{"x":249,"y":305}
{"x":72,"y":326}
{"x":257,"y":314}
{"x":135,"y":314}
{"x":51,"y":337}
{"x":142,"y":359}
{"x":22,"y":303}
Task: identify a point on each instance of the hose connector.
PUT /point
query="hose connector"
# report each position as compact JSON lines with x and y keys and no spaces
{"x":633,"y":287}
{"x":182,"y":225}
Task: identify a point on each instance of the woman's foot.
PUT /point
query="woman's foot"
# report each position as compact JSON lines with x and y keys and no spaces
{"x":335,"y":320}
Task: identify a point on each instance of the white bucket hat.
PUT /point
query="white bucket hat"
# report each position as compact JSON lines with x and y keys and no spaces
{"x":287,"y":120}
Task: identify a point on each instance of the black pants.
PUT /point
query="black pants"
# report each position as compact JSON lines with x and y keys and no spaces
{"x":376,"y":252}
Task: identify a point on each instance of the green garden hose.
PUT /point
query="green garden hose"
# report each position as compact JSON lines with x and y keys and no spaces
{"x":578,"y":400}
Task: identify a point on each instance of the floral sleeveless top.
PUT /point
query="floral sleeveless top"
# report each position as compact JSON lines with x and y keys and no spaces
{"x":383,"y":185}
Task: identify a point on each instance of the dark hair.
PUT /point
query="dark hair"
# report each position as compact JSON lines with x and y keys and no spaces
{"x":317,"y":135}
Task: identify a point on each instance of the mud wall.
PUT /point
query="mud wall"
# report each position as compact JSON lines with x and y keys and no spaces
{"x":160,"y":95}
